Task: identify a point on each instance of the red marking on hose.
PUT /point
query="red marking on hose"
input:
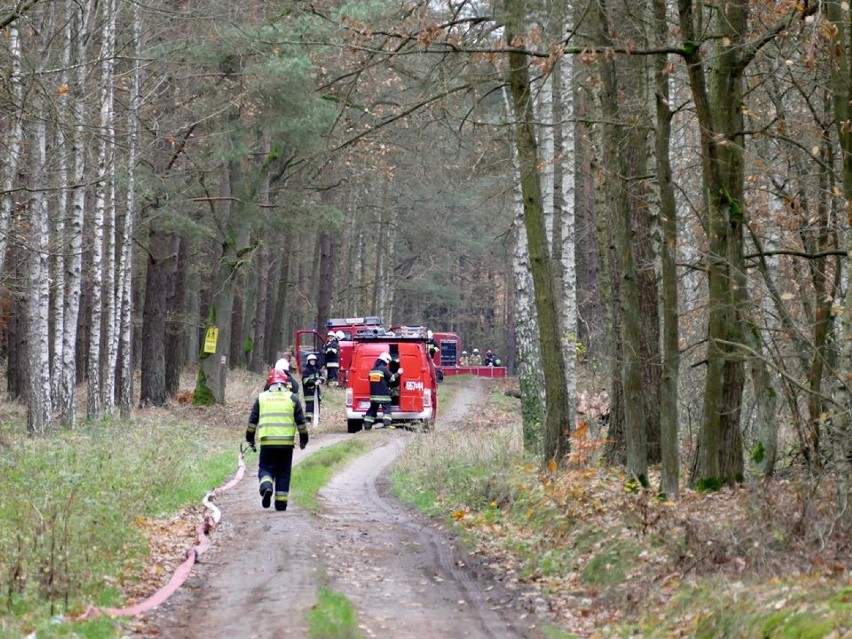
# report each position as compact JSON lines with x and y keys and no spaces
{"x":193,"y":555}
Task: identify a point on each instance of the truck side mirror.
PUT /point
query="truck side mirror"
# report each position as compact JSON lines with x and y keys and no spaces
{"x":439,"y":375}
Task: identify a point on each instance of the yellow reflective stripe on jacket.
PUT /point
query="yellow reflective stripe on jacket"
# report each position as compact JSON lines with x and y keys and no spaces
{"x":276,"y":425}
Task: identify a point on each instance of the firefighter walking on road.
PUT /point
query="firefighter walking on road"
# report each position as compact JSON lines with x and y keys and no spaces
{"x":275,"y":417}
{"x":332,"y":358}
{"x":311,"y":380}
{"x":381,"y":382}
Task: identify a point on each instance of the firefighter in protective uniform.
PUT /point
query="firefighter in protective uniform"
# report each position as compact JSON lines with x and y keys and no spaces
{"x":432,"y":346}
{"x":332,"y":357}
{"x":275,"y":418}
{"x":476,"y":358}
{"x":311,"y":380}
{"x":381,"y":382}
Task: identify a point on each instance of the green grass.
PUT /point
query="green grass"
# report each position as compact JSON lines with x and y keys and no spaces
{"x":333,"y":617}
{"x":310,"y":475}
{"x":69,"y":505}
{"x":718,"y":609}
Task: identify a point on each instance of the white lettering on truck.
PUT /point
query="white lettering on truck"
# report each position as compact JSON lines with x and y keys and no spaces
{"x":413,"y":385}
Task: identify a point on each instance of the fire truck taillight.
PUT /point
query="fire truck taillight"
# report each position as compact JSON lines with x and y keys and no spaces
{"x":349,"y":397}
{"x":427,"y":398}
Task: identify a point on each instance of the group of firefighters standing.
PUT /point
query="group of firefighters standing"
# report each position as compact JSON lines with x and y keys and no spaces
{"x":476,"y":358}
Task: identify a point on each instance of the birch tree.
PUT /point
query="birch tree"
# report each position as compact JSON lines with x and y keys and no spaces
{"x":102,"y":208}
{"x":79,"y":17}
{"x":14,"y":139}
{"x":558,"y":419}
{"x":124,"y":296}
{"x":40,"y":413}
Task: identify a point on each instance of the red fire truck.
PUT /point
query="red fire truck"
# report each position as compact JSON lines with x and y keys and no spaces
{"x":415,"y":400}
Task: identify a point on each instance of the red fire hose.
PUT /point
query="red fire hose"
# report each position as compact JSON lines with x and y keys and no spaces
{"x":193,"y":555}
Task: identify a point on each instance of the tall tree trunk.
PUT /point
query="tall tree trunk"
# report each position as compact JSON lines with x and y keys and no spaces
{"x":259,"y":328}
{"x":719,"y":112}
{"x":162,"y":247}
{"x":74,"y":262}
{"x":565,"y":238}
{"x":15,"y":138}
{"x":125,"y":270}
{"x":103,"y":190}
{"x":212,"y":375}
{"x":326,"y":276}
{"x":176,"y":315}
{"x":628,"y":306}
{"x":40,"y":410}
{"x":669,"y":443}
{"x":558,"y":418}
{"x":841,"y":417}
{"x":530,"y":375}
{"x":279,"y":324}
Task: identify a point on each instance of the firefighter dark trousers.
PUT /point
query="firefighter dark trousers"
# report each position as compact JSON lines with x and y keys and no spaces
{"x":373,"y":411}
{"x":309,"y":408}
{"x":274,"y":468}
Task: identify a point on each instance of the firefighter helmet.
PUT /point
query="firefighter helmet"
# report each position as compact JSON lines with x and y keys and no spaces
{"x":311,"y":356}
{"x":476,"y":351}
{"x":331,"y":335}
{"x":464,"y":352}
{"x":488,"y":352}
{"x":385,"y":357}
{"x":282,"y":365}
{"x":277,"y":376}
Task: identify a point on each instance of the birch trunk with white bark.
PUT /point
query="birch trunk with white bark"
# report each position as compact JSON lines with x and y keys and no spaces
{"x":40,"y":410}
{"x":13,"y":156}
{"x":74,"y":263}
{"x":124,"y":296}
{"x":103,"y":199}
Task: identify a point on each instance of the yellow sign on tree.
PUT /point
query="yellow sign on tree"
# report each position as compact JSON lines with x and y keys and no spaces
{"x":210,"y":339}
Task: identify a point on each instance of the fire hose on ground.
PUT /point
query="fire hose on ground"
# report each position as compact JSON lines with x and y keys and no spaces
{"x":193,"y":555}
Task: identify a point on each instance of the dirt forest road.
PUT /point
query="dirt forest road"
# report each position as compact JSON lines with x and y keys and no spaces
{"x":405,"y":576}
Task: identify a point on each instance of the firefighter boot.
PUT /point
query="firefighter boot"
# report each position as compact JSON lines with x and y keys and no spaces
{"x":266,"y":492}
{"x":281,"y":502}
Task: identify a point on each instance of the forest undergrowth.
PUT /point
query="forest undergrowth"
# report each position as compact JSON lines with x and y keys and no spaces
{"x":603,"y":559}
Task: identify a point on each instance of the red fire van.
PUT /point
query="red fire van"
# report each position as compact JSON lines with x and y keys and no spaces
{"x":415,"y":401}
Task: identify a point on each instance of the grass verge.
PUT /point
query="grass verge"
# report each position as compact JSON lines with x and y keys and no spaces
{"x":310,"y":475}
{"x":71,"y":510}
{"x":333,"y":617}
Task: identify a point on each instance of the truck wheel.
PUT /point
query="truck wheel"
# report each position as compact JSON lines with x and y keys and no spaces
{"x":354,"y":425}
{"x":427,"y":425}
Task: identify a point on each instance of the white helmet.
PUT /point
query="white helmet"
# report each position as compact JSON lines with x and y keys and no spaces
{"x":311,"y":356}
{"x":476,"y":351}
{"x":340,"y":335}
{"x":331,"y":334}
{"x":282,"y":365}
{"x":385,"y":357}
{"x":464,"y":352}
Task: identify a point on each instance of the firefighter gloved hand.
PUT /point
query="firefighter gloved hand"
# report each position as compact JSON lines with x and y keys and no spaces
{"x":303,"y":440}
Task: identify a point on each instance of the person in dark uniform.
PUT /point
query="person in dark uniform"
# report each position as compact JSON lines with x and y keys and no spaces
{"x":311,"y":380}
{"x":332,"y":358}
{"x":381,"y":382}
{"x":275,"y":417}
